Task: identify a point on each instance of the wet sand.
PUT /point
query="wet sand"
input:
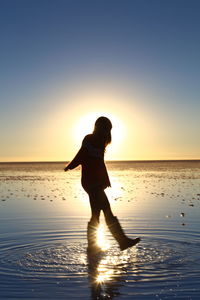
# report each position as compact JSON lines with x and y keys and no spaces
{"x":43,"y":218}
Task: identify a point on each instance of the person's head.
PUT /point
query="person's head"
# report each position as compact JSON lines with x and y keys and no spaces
{"x":102,"y":129}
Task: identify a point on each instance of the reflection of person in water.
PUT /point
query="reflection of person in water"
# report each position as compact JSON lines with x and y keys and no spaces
{"x":95,"y":180}
{"x":103,"y":287}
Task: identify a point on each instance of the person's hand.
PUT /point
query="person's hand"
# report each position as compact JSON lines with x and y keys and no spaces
{"x":66,"y":169}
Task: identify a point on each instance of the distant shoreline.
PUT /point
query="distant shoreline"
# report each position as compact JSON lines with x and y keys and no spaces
{"x":108,"y":161}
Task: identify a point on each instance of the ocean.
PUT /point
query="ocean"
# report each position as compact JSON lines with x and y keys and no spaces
{"x":43,"y":242}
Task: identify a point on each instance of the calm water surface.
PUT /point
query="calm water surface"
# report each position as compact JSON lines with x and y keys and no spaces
{"x":43,"y":219}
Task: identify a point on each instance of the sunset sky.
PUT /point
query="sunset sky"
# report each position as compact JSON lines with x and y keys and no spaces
{"x":65,"y":63}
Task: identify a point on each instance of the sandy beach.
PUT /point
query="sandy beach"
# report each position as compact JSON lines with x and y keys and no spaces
{"x":43,"y":219}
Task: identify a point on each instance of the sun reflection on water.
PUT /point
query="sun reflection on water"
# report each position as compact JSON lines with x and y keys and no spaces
{"x":110,"y":266}
{"x":102,"y":242}
{"x":104,"y":274}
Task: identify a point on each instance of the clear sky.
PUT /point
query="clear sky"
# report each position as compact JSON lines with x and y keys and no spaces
{"x":64,"y":63}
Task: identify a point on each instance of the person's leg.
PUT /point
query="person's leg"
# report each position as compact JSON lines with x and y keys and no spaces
{"x":105,"y":205}
{"x":113,"y":223}
{"x":95,"y":207}
{"x":93,"y":223}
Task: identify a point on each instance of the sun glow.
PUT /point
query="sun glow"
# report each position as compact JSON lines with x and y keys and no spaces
{"x":104,"y":275}
{"x":101,"y":241}
{"x":85,"y":125}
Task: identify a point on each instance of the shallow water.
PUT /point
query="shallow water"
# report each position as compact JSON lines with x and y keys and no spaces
{"x":43,"y":219}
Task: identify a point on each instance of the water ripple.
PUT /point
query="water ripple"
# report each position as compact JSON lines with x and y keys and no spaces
{"x":157,"y":266}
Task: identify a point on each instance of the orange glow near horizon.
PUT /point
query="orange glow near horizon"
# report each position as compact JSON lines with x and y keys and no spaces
{"x":129,"y":123}
{"x":136,"y":133}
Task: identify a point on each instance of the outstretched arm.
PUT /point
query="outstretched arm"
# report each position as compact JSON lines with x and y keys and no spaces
{"x":76,"y":161}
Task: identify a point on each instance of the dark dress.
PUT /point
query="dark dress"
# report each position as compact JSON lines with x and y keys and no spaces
{"x":91,"y":158}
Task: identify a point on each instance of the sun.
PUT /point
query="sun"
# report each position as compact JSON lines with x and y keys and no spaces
{"x":85,"y":125}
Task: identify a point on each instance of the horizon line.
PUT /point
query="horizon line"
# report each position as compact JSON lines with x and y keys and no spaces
{"x":120,"y":160}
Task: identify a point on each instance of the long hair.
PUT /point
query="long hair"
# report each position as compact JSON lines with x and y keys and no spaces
{"x":102,"y":131}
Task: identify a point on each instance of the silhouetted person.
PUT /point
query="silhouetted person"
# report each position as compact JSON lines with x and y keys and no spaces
{"x":95,"y":180}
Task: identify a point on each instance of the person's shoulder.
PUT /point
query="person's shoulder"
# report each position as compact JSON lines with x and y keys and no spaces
{"x":87,"y":139}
